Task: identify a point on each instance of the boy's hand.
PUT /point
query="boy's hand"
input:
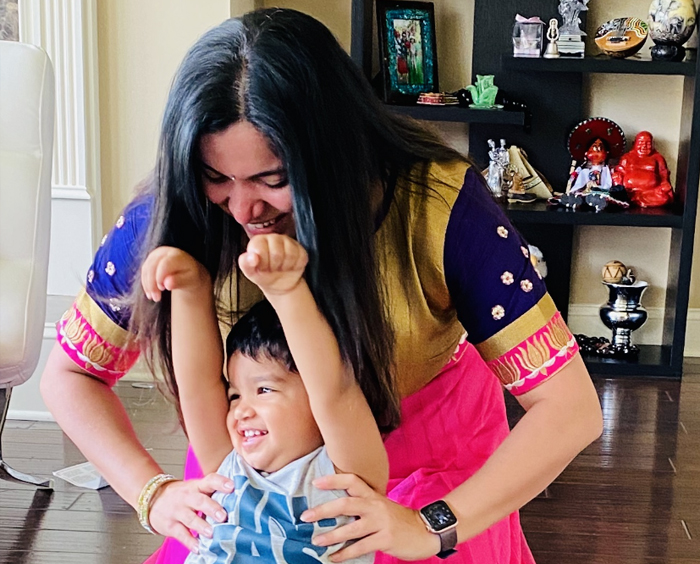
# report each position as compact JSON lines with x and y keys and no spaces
{"x":275,"y":263}
{"x":169,"y":268}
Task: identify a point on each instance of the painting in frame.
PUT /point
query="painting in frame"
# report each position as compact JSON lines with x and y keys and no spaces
{"x":408,"y":58}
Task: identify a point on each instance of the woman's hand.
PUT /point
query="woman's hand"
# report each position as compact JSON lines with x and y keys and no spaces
{"x":381,"y":524}
{"x":275,"y":263}
{"x":169,"y":268}
{"x":176,"y":506}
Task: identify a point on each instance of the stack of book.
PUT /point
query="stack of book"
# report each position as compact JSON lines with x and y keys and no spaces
{"x":438,"y":99}
{"x":571,"y":46}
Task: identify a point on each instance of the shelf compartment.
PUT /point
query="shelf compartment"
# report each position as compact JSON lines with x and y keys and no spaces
{"x":653,"y":360}
{"x":540,"y":212}
{"x":600,"y":64}
{"x":463,"y":115}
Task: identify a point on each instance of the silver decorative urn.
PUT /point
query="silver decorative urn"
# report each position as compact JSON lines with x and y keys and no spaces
{"x":623,"y":313}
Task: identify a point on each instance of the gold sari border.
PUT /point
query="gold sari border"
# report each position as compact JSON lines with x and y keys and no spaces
{"x":88,"y":348}
{"x":537,"y":358}
{"x":100,"y":322}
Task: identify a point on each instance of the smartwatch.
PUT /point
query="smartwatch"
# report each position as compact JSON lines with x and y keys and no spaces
{"x":440,"y":520}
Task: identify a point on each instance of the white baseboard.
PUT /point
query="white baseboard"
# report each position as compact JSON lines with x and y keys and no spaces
{"x":28,"y":415}
{"x":585,"y":318}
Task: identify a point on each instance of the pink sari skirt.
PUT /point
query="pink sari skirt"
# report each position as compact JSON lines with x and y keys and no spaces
{"x":449,"y":429}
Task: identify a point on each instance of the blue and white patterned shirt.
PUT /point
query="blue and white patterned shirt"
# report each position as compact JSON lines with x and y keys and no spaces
{"x":263,"y":523}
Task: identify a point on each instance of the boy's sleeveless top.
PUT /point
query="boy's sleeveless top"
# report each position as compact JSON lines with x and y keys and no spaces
{"x":263,"y":515}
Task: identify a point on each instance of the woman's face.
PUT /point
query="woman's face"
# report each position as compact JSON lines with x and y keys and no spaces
{"x":243,"y":177}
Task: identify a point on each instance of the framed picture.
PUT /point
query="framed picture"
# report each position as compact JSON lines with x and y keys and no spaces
{"x":408,"y":58}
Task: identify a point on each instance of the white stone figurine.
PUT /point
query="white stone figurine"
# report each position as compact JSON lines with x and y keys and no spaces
{"x":499,"y":159}
{"x":570,"y":10}
{"x":552,"y":51}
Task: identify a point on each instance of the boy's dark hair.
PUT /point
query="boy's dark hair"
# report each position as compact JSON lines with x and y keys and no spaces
{"x":259,"y":334}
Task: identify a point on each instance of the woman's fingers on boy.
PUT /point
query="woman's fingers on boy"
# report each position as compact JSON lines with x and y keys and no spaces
{"x":177,"y":508}
{"x":184,"y":537}
{"x":214,"y":482}
{"x":381,"y":523}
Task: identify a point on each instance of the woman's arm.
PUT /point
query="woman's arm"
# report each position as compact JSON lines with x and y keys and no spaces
{"x":197,"y":350}
{"x":92,"y":415}
{"x":563,"y":416}
{"x":276,"y":264}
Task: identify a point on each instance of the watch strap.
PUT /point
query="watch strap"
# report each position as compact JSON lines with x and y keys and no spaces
{"x":448,"y":541}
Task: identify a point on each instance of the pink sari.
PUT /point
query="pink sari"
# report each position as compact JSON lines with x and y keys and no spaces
{"x":450,"y":428}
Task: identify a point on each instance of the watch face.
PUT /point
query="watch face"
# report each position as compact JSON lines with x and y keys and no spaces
{"x":439,"y":516}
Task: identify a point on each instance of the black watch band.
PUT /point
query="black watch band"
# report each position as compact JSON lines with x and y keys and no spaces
{"x":448,"y":541}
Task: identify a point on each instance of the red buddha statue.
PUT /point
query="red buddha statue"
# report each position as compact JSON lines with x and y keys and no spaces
{"x":644,"y":174}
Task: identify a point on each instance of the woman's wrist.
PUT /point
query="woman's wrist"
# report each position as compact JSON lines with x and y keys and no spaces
{"x":148,"y":495}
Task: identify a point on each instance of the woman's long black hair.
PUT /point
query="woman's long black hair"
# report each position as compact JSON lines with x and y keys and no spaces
{"x":285,"y":73}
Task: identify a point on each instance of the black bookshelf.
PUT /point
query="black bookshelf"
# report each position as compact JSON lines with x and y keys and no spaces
{"x":553,"y":91}
{"x":653,"y":360}
{"x":464,"y":115}
{"x":541,"y":212}
{"x":599,"y":64}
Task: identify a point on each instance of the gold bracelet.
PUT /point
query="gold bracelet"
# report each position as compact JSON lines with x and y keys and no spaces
{"x":143,"y":507}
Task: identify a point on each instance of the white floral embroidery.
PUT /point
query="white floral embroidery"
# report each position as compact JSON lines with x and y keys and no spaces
{"x":497,"y":312}
{"x":526,"y":285}
{"x":113,"y":306}
{"x":110,"y":268}
{"x":120,"y":222}
{"x":525,"y":251}
{"x":104,"y":240}
{"x":91,"y":276}
{"x":507,"y":278}
{"x":502,"y":231}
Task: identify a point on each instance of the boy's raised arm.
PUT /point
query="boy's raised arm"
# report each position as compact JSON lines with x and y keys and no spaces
{"x":276,"y":264}
{"x":197,"y":350}
{"x":342,"y":413}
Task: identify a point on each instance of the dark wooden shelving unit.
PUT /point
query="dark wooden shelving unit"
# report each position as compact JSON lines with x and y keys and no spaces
{"x":553,"y":91}
{"x":653,"y":361}
{"x":457,"y":114}
{"x":600,"y":64}
{"x":541,"y":212}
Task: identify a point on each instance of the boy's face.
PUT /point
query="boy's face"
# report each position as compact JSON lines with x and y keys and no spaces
{"x":269,"y":419}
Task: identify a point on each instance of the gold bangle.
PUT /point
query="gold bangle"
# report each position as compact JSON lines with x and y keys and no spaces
{"x":143,"y":506}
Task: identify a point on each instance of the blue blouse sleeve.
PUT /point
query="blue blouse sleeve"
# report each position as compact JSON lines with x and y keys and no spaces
{"x":487,"y":264}
{"x":116,"y":263}
{"x":499,"y":296}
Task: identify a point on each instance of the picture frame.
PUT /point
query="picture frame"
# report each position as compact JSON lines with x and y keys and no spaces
{"x":407,"y":50}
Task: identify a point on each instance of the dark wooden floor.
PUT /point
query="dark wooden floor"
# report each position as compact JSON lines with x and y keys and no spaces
{"x":631,"y":497}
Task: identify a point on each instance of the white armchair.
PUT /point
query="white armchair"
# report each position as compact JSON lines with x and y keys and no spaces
{"x":26,"y":148}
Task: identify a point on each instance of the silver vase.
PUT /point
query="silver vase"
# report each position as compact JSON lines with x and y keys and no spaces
{"x":623,"y":313}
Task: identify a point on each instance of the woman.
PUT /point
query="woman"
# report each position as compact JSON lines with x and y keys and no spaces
{"x":270,"y":127}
